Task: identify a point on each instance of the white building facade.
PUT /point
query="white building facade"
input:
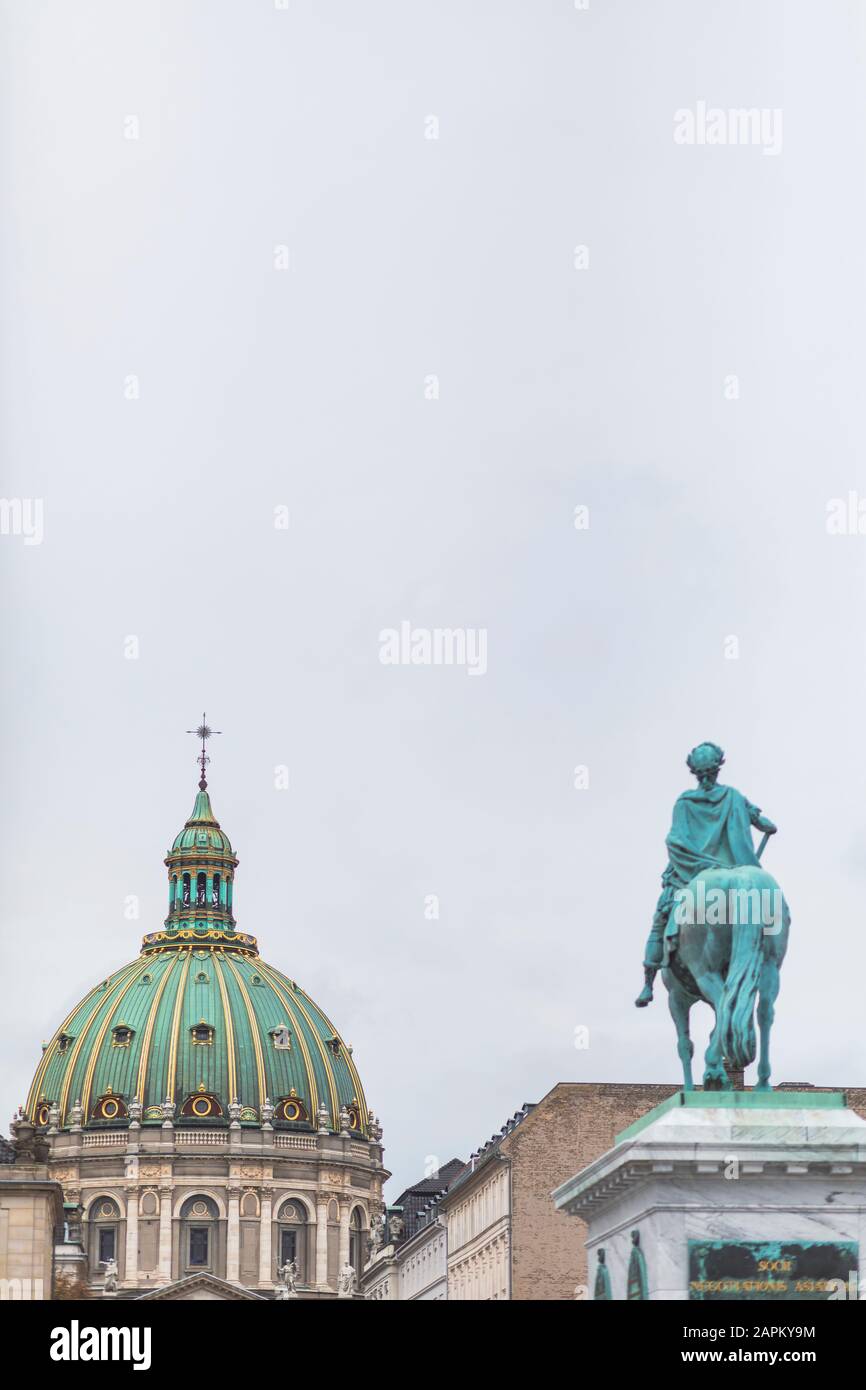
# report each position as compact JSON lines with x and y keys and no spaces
{"x":415,"y":1271}
{"x":422,"y":1269}
{"x":477,"y":1216}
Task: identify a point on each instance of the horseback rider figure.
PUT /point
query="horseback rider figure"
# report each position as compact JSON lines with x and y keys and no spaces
{"x":711,"y":829}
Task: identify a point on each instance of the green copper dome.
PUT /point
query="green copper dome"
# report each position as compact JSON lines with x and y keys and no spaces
{"x":202,"y":830}
{"x":198,"y":1023}
{"x":198,"y":1030}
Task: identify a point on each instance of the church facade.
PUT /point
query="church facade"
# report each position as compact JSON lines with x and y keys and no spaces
{"x":204,"y":1118}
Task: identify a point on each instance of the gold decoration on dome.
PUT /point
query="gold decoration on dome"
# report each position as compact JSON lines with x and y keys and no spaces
{"x":109,"y":1107}
{"x":291,"y":1110}
{"x":201,"y":1105}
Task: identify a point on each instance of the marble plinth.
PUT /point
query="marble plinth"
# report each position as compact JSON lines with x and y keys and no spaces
{"x":710,"y":1168}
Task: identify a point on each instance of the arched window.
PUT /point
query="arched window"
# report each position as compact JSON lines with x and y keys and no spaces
{"x":172,"y":893}
{"x":198,"y":1224}
{"x":229,"y":892}
{"x":292,"y":1238}
{"x":186,"y":890}
{"x":103,"y":1220}
{"x":201,"y":889}
{"x":356,"y":1242}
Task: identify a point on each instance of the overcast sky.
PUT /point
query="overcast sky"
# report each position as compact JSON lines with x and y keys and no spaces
{"x":693,"y":376}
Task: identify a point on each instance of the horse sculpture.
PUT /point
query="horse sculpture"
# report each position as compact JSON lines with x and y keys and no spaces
{"x":732,"y":964}
{"x":720,"y":928}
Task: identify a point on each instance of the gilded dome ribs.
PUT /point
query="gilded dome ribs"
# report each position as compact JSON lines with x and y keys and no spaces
{"x":352,"y":1069}
{"x":129,"y":971}
{"x":272,"y":976}
{"x":229,"y":1030}
{"x":103,"y":1029}
{"x":254,"y":1029}
{"x":299,"y":1032}
{"x":148,"y":1034}
{"x":171,"y":1069}
{"x":51,"y":1050}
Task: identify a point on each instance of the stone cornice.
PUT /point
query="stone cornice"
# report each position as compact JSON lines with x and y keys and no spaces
{"x":698,"y":1142}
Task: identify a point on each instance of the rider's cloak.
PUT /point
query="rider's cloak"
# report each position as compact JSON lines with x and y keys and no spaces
{"x":711,"y":829}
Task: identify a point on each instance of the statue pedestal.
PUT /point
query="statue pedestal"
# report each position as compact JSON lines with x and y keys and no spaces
{"x":732,"y":1195}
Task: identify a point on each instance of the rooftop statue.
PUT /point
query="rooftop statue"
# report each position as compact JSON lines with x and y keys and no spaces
{"x":720,"y":929}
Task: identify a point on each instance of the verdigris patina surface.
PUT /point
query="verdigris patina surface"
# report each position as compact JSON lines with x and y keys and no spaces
{"x":809,"y":1270}
{"x":720,"y":928}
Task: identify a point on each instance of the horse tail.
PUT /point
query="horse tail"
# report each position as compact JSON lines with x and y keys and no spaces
{"x":740,"y":992}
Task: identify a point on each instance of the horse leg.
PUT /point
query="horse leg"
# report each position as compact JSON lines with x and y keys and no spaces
{"x":712,"y":987}
{"x":680,"y":1006}
{"x":768,"y":986}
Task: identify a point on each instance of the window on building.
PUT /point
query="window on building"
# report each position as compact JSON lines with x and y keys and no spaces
{"x":288,"y":1246}
{"x":199,"y":1245}
{"x":356,"y":1242}
{"x":103,"y":1220}
{"x":107,"y":1243}
{"x":292,"y":1238}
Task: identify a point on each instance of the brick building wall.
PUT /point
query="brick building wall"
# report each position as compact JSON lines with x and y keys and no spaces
{"x":572,"y":1125}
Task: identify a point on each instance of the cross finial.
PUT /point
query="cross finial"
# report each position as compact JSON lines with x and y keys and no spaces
{"x":204,"y":732}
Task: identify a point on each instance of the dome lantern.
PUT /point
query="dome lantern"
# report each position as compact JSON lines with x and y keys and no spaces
{"x":201,"y":865}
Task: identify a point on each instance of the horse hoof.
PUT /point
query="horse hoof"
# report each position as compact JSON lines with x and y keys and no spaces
{"x":715,"y":1082}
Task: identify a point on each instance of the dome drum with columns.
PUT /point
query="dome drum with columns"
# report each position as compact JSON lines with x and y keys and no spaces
{"x":204,"y":1113}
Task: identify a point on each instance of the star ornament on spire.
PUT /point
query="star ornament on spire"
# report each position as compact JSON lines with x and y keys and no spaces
{"x":204,"y":732}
